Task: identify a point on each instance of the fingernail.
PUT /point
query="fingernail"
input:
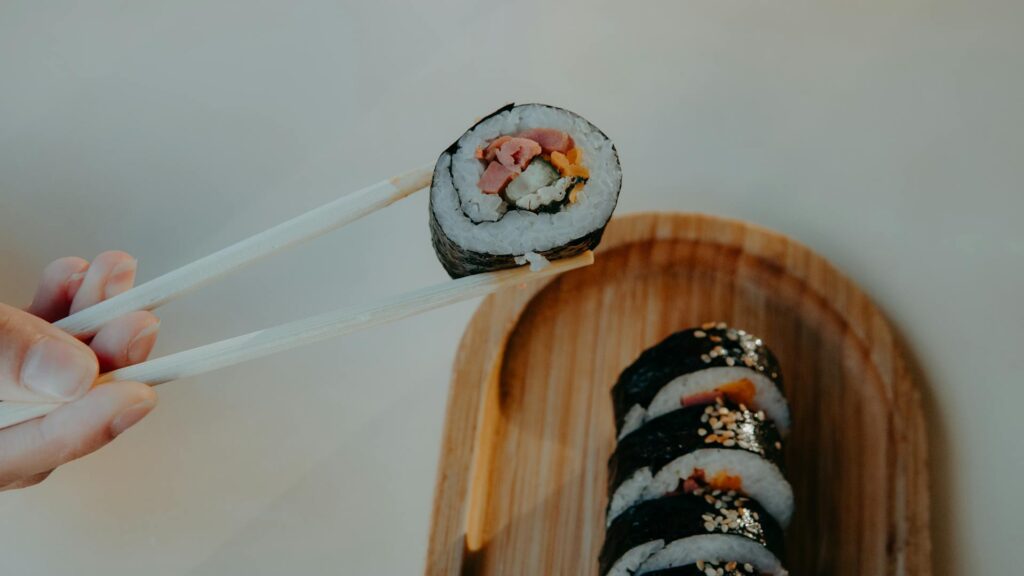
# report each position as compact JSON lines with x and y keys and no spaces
{"x":74,"y":283}
{"x":142,"y":343}
{"x":130,"y":416}
{"x":120,"y":279}
{"x":57,"y":369}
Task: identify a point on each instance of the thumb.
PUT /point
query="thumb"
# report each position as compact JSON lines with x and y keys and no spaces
{"x":41,"y":363}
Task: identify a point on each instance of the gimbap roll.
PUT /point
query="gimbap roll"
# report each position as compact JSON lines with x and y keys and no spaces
{"x":718,"y":446}
{"x":694,"y":367}
{"x":528,"y":183}
{"x":704,"y":525}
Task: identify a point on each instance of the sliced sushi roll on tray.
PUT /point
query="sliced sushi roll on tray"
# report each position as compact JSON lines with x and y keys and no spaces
{"x":704,"y":525}
{"x":694,"y":367}
{"x":696,"y":482}
{"x":528,"y":183}
{"x":718,"y":446}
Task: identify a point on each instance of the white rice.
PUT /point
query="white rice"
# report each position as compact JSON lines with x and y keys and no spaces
{"x":767,"y":398}
{"x":762,"y":481}
{"x":536,"y":261}
{"x":628,"y":493}
{"x":712,"y":548}
{"x":631,"y":561}
{"x":479,"y":222}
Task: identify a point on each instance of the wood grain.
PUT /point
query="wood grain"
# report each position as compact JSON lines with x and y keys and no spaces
{"x":521,"y":480}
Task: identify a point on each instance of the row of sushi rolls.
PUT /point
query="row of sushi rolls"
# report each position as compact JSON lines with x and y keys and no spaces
{"x":695,"y":483}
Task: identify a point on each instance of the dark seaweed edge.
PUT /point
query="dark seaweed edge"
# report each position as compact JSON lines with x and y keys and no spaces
{"x":674,"y":518}
{"x":693,"y":570}
{"x":455,"y":145}
{"x":680,"y":354}
{"x":459,"y":262}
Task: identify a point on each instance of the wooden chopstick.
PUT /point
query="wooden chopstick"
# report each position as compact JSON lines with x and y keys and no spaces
{"x":313,"y":329}
{"x":316,"y":222}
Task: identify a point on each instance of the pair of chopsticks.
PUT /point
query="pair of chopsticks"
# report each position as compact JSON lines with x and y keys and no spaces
{"x":261,"y":343}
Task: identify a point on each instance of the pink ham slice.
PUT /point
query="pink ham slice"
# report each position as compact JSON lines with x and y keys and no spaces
{"x":516,"y":153}
{"x":489,"y":153}
{"x":550,"y":140}
{"x":495,"y":178}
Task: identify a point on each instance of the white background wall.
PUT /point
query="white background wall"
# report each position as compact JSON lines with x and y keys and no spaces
{"x":885,"y":134}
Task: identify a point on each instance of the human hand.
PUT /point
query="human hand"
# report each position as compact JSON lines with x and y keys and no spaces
{"x":41,"y":363}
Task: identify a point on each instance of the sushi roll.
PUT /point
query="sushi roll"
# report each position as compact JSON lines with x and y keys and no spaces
{"x":528,"y":183}
{"x":694,"y":367}
{"x":704,"y":525}
{"x":718,"y":446}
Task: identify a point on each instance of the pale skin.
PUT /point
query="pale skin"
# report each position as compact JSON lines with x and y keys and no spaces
{"x":39,"y":362}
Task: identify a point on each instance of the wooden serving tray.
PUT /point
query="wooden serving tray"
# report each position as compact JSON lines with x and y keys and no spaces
{"x":521,"y":480}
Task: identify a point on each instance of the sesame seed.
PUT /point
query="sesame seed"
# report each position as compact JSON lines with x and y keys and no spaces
{"x":700,"y":564}
{"x":700,"y":333}
{"x":705,"y":358}
{"x":730,"y":566}
{"x":703,"y":432}
{"x":709,"y":571}
{"x":748,"y":567}
{"x":709,"y":526}
{"x":730,"y":361}
{"x":778,"y":445}
{"x":715,"y":338}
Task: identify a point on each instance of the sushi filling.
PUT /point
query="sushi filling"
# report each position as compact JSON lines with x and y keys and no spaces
{"x":539,"y":169}
{"x":740,"y":392}
{"x":698,"y":483}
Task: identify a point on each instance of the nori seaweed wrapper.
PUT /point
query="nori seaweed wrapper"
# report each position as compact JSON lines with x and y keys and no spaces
{"x":675,"y":434}
{"x":459,"y":261}
{"x":676,"y":517}
{"x":685,"y":352}
{"x":738,"y":569}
